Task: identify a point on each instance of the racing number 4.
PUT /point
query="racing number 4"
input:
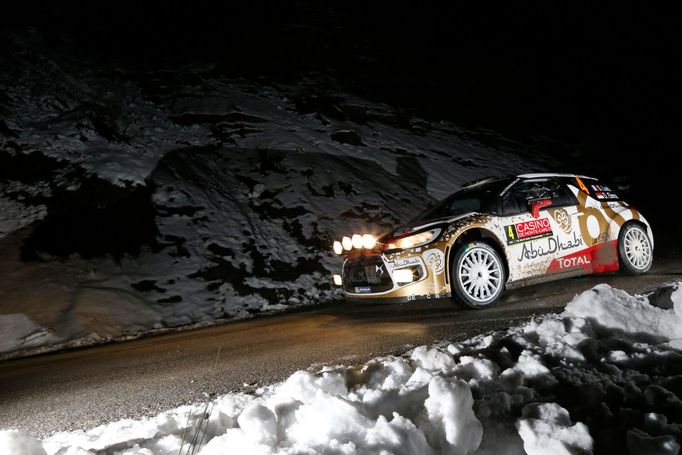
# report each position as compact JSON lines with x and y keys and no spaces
{"x":582,"y":185}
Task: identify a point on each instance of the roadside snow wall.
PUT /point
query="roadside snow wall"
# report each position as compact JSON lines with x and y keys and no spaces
{"x":591,"y":379}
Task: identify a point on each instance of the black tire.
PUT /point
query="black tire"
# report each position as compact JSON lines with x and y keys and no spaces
{"x":463,"y":290}
{"x":635,"y":252}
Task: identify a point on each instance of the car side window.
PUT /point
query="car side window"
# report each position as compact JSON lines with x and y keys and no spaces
{"x":518,"y":198}
{"x":563,"y":196}
{"x":509,"y":205}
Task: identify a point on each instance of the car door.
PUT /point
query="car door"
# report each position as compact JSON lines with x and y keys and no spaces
{"x":572,"y":256}
{"x":539,"y":223}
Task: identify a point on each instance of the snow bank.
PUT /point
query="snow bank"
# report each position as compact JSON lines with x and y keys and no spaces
{"x":613,"y":309}
{"x":546,"y":428}
{"x":16,"y":215}
{"x":454,"y":427}
{"x":18,"y":331}
{"x":17,"y":443}
{"x":573,"y":383}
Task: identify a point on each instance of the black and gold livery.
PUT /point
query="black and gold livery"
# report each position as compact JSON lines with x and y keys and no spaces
{"x":497,"y":233}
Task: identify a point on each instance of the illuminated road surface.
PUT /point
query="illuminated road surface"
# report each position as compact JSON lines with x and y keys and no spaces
{"x":87,"y":387}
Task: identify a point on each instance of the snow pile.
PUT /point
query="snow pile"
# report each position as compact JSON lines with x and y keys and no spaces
{"x":454,"y":427}
{"x":19,"y":330}
{"x":16,"y":215}
{"x":562,"y":384}
{"x":546,"y":427}
{"x":612,"y":309}
{"x":14,"y":442}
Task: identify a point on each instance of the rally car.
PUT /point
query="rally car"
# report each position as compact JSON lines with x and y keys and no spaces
{"x":499,"y":233}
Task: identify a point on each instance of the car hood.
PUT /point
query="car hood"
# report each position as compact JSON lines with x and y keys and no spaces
{"x":426,"y":224}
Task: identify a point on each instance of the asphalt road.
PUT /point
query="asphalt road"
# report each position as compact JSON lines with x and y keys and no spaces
{"x":83,"y":388}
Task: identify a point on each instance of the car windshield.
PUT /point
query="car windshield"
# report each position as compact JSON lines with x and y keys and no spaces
{"x":477,"y":198}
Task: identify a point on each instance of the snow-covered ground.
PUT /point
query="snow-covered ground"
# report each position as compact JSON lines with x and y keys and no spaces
{"x":604,"y":376}
{"x":185,"y":197}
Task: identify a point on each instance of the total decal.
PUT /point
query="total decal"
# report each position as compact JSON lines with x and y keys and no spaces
{"x":581,"y":260}
{"x":528,"y":230}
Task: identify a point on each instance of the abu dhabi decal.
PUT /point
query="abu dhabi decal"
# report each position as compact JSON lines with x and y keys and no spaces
{"x":553,"y":244}
{"x":527,"y":230}
{"x":435,"y":260}
{"x":412,"y":260}
{"x":563,"y":219}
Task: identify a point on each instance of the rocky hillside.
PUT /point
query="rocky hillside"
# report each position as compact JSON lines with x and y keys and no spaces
{"x":136,"y":200}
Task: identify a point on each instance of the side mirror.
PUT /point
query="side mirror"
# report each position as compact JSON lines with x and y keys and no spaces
{"x":536,"y":205}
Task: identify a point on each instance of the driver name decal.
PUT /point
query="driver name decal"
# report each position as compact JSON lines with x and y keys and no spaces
{"x":528,"y":230}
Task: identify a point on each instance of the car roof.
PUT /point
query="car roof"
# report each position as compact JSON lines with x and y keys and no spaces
{"x":549,"y":174}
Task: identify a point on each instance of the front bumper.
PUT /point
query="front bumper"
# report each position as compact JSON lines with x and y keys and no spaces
{"x":373,"y":277}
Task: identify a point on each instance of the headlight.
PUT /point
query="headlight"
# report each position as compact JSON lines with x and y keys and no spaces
{"x":368,"y":241}
{"x":414,"y":241}
{"x":357,"y":241}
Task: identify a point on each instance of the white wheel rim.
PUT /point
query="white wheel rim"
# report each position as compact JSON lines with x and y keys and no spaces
{"x":480,"y":274}
{"x":637,"y":248}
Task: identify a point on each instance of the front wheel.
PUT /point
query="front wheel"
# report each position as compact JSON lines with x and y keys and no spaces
{"x":477,"y":275}
{"x":634,"y":249}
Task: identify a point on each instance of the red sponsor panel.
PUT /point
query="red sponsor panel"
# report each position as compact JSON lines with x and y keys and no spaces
{"x":579,"y":260}
{"x":605,"y":257}
{"x":533,"y":228}
{"x":596,"y":259}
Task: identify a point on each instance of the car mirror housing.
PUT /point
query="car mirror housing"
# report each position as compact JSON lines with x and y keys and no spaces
{"x":538,"y":204}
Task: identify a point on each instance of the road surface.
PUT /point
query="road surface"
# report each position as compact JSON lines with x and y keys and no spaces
{"x":84,"y":388}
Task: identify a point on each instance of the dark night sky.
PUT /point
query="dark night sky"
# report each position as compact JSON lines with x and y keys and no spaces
{"x":573,"y":69}
{"x":601,"y":78}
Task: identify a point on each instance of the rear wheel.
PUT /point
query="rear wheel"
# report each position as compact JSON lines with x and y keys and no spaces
{"x":477,"y":275}
{"x":634,"y":249}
